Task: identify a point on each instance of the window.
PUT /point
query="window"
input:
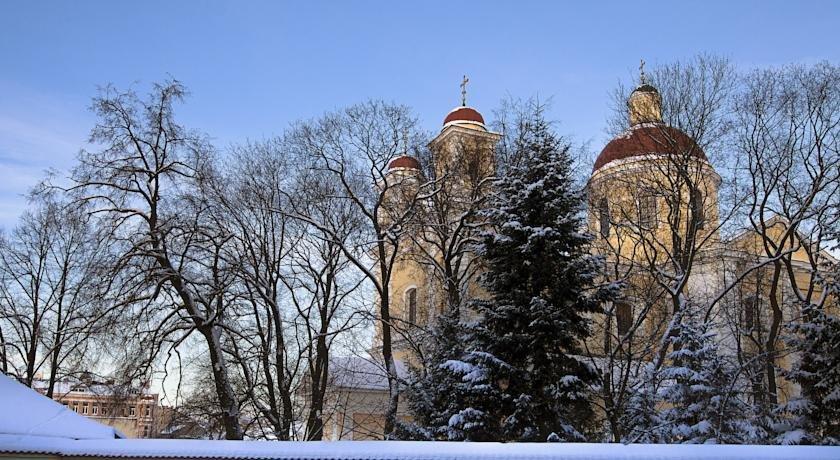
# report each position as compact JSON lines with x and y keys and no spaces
{"x":104,"y":410}
{"x":647,"y":211}
{"x":148,"y":411}
{"x":623,"y":318}
{"x":84,"y":408}
{"x":604,"y":216}
{"x":132,"y":411}
{"x":411,"y":305}
{"x":95,"y":410}
{"x":75,"y":406}
{"x":750,"y":312}
{"x":697,"y":210}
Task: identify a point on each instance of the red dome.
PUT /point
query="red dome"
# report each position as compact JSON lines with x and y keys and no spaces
{"x":647,"y":139}
{"x":404,"y":161}
{"x":464,"y":114}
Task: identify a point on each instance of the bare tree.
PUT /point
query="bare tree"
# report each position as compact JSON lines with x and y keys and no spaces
{"x":50,"y":306}
{"x":143,"y":182}
{"x":293,"y":289}
{"x":787,"y":136}
{"x":353,"y":148}
{"x":658,"y":215}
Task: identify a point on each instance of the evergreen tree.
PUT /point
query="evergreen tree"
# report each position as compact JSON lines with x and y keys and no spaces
{"x":814,"y":416}
{"x":698,"y":390}
{"x":432,"y":385}
{"x":519,"y":378}
{"x":641,"y":420}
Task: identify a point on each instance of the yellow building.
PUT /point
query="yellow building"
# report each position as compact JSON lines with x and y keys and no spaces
{"x":653,"y":207}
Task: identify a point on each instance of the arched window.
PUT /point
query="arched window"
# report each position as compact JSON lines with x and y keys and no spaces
{"x":623,"y":318}
{"x":697,"y":209}
{"x":604,"y":216}
{"x":411,"y":305}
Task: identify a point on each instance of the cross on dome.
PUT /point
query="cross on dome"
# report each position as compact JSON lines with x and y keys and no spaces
{"x":464,"y":90}
{"x":642,"y":76}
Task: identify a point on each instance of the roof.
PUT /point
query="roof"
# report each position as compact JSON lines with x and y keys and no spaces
{"x":463,"y":113}
{"x":41,"y":416}
{"x":404,"y":161}
{"x":361,"y":373}
{"x":646,"y":139}
{"x":93,"y":388}
{"x":403,"y":450}
{"x":646,"y":88}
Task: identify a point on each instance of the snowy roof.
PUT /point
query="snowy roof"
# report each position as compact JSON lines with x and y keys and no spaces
{"x":28,"y":413}
{"x":401,"y":450}
{"x":65,"y":387}
{"x":361,"y":373}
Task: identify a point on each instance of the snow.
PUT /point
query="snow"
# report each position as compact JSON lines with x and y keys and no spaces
{"x":27,"y":412}
{"x":33,"y":424}
{"x":362,"y":373}
{"x":402,"y":450}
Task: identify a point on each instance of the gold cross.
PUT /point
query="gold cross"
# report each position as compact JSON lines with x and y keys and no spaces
{"x":464,"y":90}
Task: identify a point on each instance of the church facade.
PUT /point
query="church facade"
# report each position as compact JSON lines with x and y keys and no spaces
{"x":655,"y":216}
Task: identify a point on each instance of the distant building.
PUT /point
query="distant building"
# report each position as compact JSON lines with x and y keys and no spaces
{"x":134,"y":412}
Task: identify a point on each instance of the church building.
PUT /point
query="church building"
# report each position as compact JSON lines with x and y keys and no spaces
{"x":654,"y":213}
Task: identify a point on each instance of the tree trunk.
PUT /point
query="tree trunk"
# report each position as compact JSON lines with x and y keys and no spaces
{"x":390,"y":366}
{"x":227,"y":399}
{"x":773,"y":334}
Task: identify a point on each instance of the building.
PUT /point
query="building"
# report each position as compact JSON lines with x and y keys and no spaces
{"x":136,"y":413}
{"x":653,"y":206}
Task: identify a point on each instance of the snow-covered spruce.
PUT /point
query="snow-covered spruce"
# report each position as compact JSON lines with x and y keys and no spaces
{"x":814,"y":416}
{"x":698,"y":391}
{"x":514,"y":376}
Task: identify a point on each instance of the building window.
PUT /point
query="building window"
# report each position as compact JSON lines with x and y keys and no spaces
{"x":750,"y":312}
{"x":75,"y":406}
{"x":623,"y":318}
{"x":647,"y":211}
{"x":148,"y":411}
{"x":132,"y":411}
{"x":104,"y":410}
{"x":604,"y":217}
{"x":697,"y":209}
{"x":95,"y":410}
{"x":411,"y":305}
{"x":84,"y":408}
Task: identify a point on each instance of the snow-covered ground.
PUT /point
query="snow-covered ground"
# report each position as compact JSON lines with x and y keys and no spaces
{"x":399,"y":450}
{"x":32,"y":424}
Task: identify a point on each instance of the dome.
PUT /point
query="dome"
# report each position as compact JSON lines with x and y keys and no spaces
{"x":646,"y":88}
{"x":464,"y":114}
{"x":404,"y":161}
{"x":646,"y":139}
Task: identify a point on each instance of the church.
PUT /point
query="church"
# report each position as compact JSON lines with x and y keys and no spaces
{"x":654,"y":213}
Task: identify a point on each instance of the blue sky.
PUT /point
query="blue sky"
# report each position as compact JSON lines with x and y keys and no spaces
{"x":253,"y":67}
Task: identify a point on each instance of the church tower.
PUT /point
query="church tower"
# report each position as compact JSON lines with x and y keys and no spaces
{"x":653,"y":206}
{"x":650,"y":180}
{"x":463,"y":157}
{"x":465,"y":148}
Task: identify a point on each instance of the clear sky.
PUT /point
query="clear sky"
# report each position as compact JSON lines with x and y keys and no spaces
{"x":253,"y":67}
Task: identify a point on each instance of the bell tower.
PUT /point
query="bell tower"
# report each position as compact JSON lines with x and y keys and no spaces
{"x":465,"y":148}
